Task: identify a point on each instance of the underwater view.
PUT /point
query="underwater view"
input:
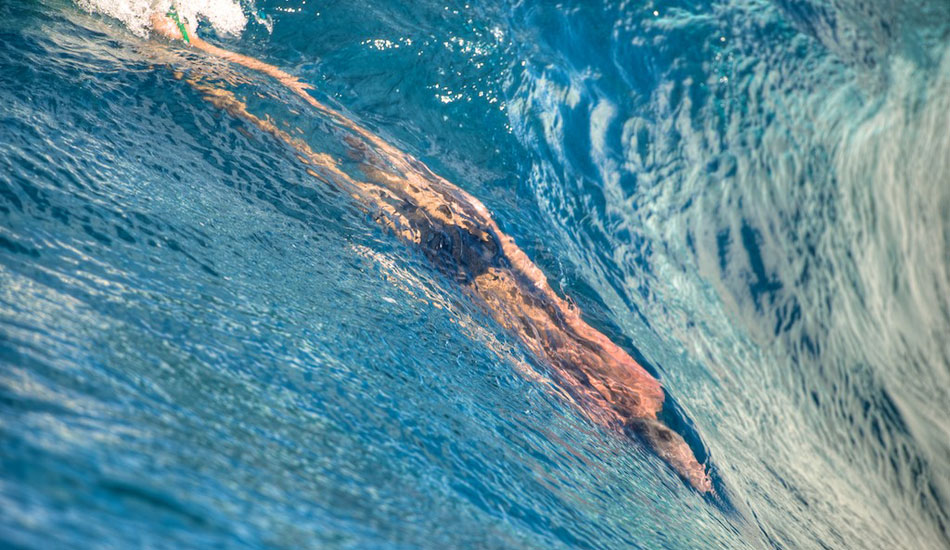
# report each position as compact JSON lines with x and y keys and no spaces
{"x":316,"y":274}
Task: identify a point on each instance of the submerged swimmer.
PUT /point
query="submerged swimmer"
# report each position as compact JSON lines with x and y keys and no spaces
{"x":457,"y":233}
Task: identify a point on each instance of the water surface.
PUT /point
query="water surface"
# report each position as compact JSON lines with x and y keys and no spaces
{"x":201,"y":347}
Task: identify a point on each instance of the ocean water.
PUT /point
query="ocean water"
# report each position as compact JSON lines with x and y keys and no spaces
{"x":201,"y":346}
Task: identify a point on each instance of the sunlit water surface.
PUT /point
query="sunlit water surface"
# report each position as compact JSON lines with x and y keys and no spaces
{"x":203,"y":347}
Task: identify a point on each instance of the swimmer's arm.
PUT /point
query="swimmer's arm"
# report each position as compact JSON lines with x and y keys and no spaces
{"x":168,"y":28}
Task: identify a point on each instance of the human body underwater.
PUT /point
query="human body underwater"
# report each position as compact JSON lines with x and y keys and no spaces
{"x":459,"y":236}
{"x":512,"y":275}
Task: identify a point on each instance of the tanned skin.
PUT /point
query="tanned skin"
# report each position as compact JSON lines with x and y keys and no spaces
{"x":457,"y":233}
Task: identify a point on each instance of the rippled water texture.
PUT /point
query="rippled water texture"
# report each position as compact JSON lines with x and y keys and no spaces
{"x":201,"y":346}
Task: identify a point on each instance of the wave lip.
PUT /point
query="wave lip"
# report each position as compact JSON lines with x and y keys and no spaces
{"x":227,"y":17}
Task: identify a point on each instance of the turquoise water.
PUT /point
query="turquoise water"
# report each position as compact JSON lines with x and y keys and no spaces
{"x":201,"y":346}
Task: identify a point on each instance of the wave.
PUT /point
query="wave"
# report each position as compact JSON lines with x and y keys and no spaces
{"x":770,"y":199}
{"x":750,"y":198}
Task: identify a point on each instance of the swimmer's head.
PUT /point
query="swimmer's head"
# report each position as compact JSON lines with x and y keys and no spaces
{"x":171,"y":24}
{"x":168,"y":18}
{"x":166,"y":26}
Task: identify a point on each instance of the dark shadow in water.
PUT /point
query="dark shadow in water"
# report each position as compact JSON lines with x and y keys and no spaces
{"x":673,"y":417}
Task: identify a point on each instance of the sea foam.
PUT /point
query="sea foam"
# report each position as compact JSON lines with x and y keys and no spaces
{"x":226,"y":16}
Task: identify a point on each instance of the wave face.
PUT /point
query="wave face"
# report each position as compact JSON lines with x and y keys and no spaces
{"x":204,"y":347}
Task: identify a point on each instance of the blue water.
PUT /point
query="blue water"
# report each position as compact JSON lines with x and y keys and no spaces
{"x":202,"y":347}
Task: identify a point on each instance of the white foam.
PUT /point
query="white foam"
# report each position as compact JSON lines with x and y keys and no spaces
{"x":226,"y":16}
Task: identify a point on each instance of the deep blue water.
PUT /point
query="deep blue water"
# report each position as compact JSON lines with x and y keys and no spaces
{"x":201,"y":347}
